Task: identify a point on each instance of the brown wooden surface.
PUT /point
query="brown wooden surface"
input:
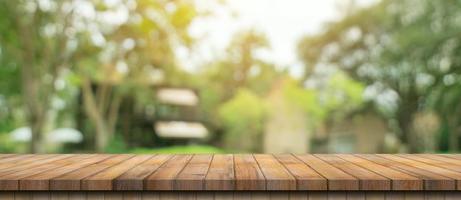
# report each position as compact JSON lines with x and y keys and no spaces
{"x":337,"y":179}
{"x":221,"y":175}
{"x":277,"y":177}
{"x":248,"y":175}
{"x":368,"y":180}
{"x":192,"y":177}
{"x":258,"y":172}
{"x":306,"y":177}
{"x":230,"y":195}
{"x":431,"y":180}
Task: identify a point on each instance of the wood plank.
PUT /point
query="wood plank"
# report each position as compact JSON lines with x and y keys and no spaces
{"x":9,"y":162}
{"x":169,"y":196}
{"x":400,"y":180}
{"x":5,"y":155}
{"x":306,"y":177}
{"x":440,"y":161}
{"x":452,"y":195}
{"x":337,"y":179}
{"x":41,"y":181}
{"x":242,"y":195}
{"x":257,"y":195}
{"x":10,"y":181}
{"x":395,"y":195}
{"x":205,"y":195}
{"x":280,"y":195}
{"x":41,"y":196}
{"x":355,"y":195}
{"x":164,"y":177}
{"x":248,"y":175}
{"x":7,"y":195}
{"x":77,"y":195}
{"x":59,"y":195}
{"x":431,"y":180}
{"x":454,"y":156}
{"x":133,"y":179}
{"x":434,"y":196}
{"x":32,"y":164}
{"x":368,"y":180}
{"x":10,"y":159}
{"x":192,"y":177}
{"x":72,"y":180}
{"x":187,"y":195}
{"x":126,"y":196}
{"x":104,"y":179}
{"x":221,"y":175}
{"x":438,"y":170}
{"x":23,"y":195}
{"x":337,"y":195}
{"x":277,"y":177}
{"x":95,"y":195}
{"x":297,"y":195}
{"x":150,"y":196}
{"x":232,"y":172}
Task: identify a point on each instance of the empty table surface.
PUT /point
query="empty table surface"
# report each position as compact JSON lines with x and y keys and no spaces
{"x":229,"y":172}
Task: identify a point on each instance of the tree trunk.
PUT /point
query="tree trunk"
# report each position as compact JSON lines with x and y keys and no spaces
{"x":406,"y":112}
{"x":91,"y":109}
{"x":453,"y":143}
{"x":453,"y":124}
{"x":35,"y":113}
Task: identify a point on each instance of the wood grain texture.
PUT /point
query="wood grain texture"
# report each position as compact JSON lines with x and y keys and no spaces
{"x":368,"y":180}
{"x":306,"y":177}
{"x":164,"y":178}
{"x":248,"y":175}
{"x":133,"y":179}
{"x":104,"y":179}
{"x":444,"y":162}
{"x":15,"y":166}
{"x":12,"y":161}
{"x":41,"y":181}
{"x":277,"y":177}
{"x":421,"y":165}
{"x":227,"y":195}
{"x":10,"y":180}
{"x":432,"y":181}
{"x":400,"y":180}
{"x":337,"y":179}
{"x":221,"y":175}
{"x":306,"y":173}
{"x":72,"y":180}
{"x":192,"y":177}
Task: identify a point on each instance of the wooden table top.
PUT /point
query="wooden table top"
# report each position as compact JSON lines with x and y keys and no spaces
{"x":230,"y":172}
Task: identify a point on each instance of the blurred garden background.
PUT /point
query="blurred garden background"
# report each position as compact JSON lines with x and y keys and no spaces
{"x":215,"y":76}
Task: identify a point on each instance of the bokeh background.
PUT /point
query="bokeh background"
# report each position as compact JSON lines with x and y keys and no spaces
{"x":208,"y":76}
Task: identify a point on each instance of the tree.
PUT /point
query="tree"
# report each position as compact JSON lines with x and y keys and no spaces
{"x":238,"y":68}
{"x":133,"y":53}
{"x":34,"y":39}
{"x":243,"y":116}
{"x":401,"y":50}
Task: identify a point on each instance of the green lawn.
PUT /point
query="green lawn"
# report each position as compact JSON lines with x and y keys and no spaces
{"x":179,"y":149}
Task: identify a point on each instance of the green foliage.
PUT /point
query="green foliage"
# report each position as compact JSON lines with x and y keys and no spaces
{"x":396,"y":47}
{"x":116,"y":145}
{"x":179,"y":149}
{"x":305,"y":99}
{"x":340,"y":96}
{"x":6,"y":145}
{"x":242,"y":116}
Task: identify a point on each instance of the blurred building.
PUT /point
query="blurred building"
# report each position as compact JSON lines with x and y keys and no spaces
{"x":177,"y":114}
{"x":362,"y":132}
{"x":285,"y":129}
